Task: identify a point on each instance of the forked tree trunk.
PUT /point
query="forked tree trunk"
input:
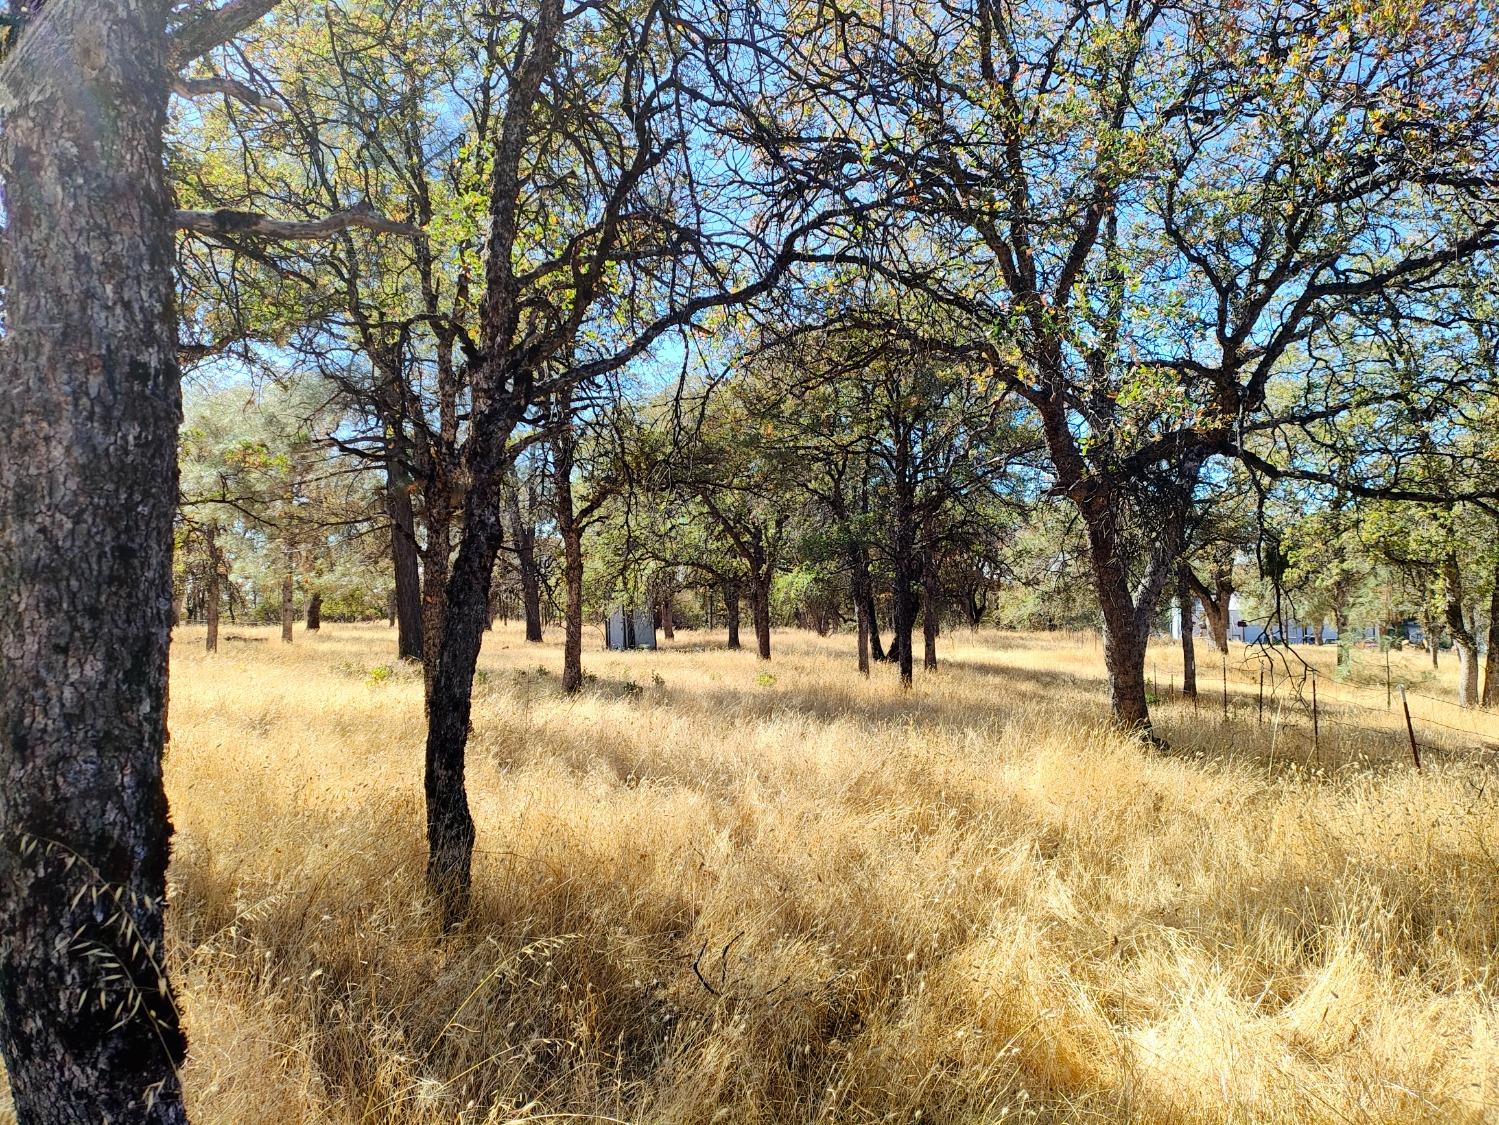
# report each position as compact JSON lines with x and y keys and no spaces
{"x":731,"y":611}
{"x":89,"y":410}
{"x":523,"y":535}
{"x":863,"y":591}
{"x":403,"y":556}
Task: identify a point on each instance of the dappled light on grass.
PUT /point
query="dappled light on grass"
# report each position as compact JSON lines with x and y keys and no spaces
{"x":701,"y":897}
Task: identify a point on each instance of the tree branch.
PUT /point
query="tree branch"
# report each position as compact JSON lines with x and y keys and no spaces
{"x":226,"y":221}
{"x":203,"y":87}
{"x":203,"y":30}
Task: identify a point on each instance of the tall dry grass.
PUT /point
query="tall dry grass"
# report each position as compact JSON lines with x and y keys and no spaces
{"x":712,"y":891}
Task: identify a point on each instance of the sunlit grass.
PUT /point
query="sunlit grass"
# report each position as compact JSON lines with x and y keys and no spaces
{"x":703,"y":894}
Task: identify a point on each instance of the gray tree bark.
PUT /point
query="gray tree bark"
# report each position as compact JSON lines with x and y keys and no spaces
{"x":89,"y":411}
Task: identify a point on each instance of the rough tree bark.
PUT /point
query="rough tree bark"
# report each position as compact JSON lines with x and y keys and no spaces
{"x":89,"y":410}
{"x":314,"y":613}
{"x":668,"y":626}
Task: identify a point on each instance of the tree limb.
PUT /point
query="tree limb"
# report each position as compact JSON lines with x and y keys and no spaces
{"x":226,"y":221}
{"x":203,"y":30}
{"x":214,"y":84}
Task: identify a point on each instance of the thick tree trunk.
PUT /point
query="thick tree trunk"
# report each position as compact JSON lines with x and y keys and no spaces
{"x":760,"y":614}
{"x":668,"y":627}
{"x":731,"y":611}
{"x":1126,"y":616}
{"x":1491,"y":657}
{"x":450,"y":825}
{"x":315,"y":613}
{"x":1124,"y":645}
{"x":435,"y":569}
{"x":89,"y":410}
{"x":1215,"y":610}
{"x":403,"y":557}
{"x":1189,"y":645}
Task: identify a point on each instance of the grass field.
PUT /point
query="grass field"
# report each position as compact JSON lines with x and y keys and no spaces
{"x":711,"y":890}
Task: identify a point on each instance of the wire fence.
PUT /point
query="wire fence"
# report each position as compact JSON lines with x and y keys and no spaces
{"x":1274,"y":684}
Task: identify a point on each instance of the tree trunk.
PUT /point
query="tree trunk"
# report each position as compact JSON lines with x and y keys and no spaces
{"x":861,"y":614}
{"x":403,"y":557}
{"x":435,"y":569}
{"x":450,"y":825}
{"x":1491,"y":657}
{"x":89,"y":410}
{"x":314,"y":613}
{"x":667,"y":625}
{"x":1126,"y":614}
{"x":1462,"y":638}
{"x":523,"y":535}
{"x":904,"y":595}
{"x":572,"y":622}
{"x":731,"y":611}
{"x":760,"y":613}
{"x":930,"y":601}
{"x":215,"y":588}
{"x":1189,"y":645}
{"x":288,"y":588}
{"x":1216,"y":613}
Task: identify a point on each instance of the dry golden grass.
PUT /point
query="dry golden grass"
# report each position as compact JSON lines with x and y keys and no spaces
{"x":703,"y":894}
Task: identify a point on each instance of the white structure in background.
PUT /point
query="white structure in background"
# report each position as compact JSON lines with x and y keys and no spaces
{"x":626,"y":629}
{"x":1247,"y":632}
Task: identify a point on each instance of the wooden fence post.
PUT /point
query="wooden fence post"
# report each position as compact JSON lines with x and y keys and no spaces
{"x":1409,"y":728}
